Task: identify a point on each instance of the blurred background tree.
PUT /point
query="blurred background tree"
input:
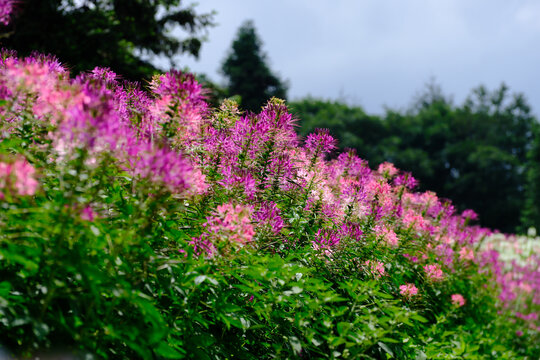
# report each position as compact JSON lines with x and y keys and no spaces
{"x":482,"y":155}
{"x":247,"y":72}
{"x":120,"y":34}
{"x":531,"y":210}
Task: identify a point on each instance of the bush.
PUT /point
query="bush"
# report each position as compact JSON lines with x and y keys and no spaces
{"x":147,"y":225}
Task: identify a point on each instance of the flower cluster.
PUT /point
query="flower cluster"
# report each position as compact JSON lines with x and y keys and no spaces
{"x":434,"y":272}
{"x":408,"y":290}
{"x":458,"y":300}
{"x":388,"y":236}
{"x":268,"y":218}
{"x":268,"y":184}
{"x":229,"y":227}
{"x":375,"y":268}
{"x":6,"y":8}
{"x":94,"y":112}
{"x":17,"y":178}
{"x":321,"y":142}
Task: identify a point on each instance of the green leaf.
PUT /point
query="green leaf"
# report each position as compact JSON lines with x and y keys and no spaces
{"x":385,"y":348}
{"x":94,"y":230}
{"x":168,"y":352}
{"x":343,"y":327}
{"x":419,"y":318}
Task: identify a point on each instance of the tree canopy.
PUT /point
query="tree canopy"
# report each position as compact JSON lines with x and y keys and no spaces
{"x":480,"y":154}
{"x":247,"y":72}
{"x":119,"y":34}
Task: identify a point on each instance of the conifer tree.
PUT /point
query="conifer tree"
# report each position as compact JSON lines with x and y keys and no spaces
{"x":247,"y":72}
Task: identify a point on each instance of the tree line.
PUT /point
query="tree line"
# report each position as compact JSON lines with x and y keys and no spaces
{"x":482,"y":154}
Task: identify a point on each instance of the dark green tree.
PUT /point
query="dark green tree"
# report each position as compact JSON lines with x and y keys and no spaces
{"x":247,"y":72}
{"x":474,"y":154}
{"x":120,"y":34}
{"x":531,"y":210}
{"x":481,"y":154}
{"x":349,"y":124}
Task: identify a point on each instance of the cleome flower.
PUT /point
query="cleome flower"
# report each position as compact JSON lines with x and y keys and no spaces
{"x":408,"y":290}
{"x":434,"y":272}
{"x":458,"y":300}
{"x":17,"y":178}
{"x":229,"y":227}
{"x":375,"y":268}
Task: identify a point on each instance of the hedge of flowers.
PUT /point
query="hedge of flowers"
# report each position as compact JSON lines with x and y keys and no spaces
{"x":141,"y":223}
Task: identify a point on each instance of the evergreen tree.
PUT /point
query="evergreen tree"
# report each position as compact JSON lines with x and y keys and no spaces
{"x":531,"y":210}
{"x":109,"y":33}
{"x":247,"y":73}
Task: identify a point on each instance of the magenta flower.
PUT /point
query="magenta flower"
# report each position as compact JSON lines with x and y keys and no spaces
{"x":470,"y":214}
{"x":351,"y":231}
{"x":326,"y":238}
{"x":268,"y":217}
{"x":407,"y":180}
{"x":88,"y":214}
{"x":320,"y":143}
{"x":6,"y":8}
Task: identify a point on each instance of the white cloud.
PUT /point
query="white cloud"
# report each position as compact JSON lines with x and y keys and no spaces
{"x":382,"y":51}
{"x":528,"y":15}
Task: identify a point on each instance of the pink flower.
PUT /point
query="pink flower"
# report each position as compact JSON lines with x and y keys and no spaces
{"x":408,"y":290}
{"x":458,"y":300}
{"x":235,"y":220}
{"x":387,"y":169}
{"x":25,"y":184}
{"x":434,"y":272}
{"x":18,"y":177}
{"x":466,"y":254}
{"x":411,"y":218}
{"x":387,"y":235}
{"x":376,"y":268}
{"x":229,"y":227}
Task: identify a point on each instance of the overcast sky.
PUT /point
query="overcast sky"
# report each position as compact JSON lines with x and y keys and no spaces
{"x":377,"y":53}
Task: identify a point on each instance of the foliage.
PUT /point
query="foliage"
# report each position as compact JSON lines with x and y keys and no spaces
{"x":352,"y":126}
{"x":531,"y":210}
{"x":145,"y":225}
{"x":119,"y":34}
{"x":465,"y":153}
{"x":247,"y":71}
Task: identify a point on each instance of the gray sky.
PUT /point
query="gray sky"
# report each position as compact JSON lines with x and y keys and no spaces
{"x":382,"y":52}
